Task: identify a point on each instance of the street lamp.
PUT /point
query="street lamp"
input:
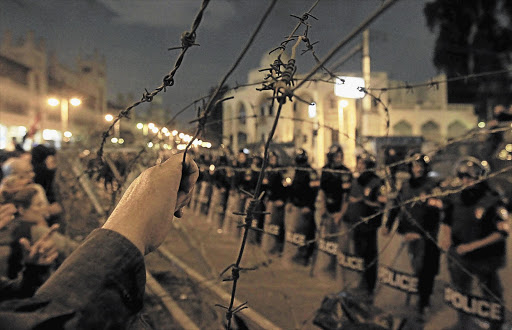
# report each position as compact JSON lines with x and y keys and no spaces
{"x":117,"y":126}
{"x":64,"y":110}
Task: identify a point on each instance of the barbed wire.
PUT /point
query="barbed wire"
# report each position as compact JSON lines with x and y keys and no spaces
{"x":360,"y":144}
{"x":351,"y":36}
{"x":209,"y":107}
{"x":282,"y":80}
{"x":435,"y":84}
{"x":187,"y":40}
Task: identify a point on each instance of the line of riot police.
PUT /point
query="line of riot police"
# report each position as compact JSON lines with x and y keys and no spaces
{"x":330,"y":220}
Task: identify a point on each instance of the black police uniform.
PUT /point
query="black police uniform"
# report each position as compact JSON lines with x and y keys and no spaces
{"x":275,"y":198}
{"x":236,"y":199}
{"x":474,"y":214}
{"x":249,"y":183}
{"x":422,"y":218}
{"x":221,"y":186}
{"x":364,"y":202}
{"x":335,"y":184}
{"x":302,"y":194}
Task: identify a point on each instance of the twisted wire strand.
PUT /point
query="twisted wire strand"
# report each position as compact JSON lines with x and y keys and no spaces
{"x":208,"y":107}
{"x":187,"y":41}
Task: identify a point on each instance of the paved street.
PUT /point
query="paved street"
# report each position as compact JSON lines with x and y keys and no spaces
{"x":289,"y":295}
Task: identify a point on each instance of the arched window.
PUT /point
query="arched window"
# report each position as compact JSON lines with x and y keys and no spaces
{"x":430,"y":131}
{"x":402,"y":128}
{"x":456,"y":129}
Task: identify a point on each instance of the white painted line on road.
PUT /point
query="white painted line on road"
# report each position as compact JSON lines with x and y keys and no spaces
{"x":249,"y":313}
{"x":177,"y":313}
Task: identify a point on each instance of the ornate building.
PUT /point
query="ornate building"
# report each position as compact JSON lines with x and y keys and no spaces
{"x":333,"y":117}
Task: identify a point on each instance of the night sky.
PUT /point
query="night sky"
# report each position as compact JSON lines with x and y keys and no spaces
{"x":134,"y":36}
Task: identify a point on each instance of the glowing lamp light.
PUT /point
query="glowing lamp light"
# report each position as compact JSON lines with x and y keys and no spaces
{"x":312,"y":110}
{"x":120,"y":141}
{"x":75,"y":102}
{"x":150,"y":144}
{"x":167,"y":133}
{"x":208,"y":145}
{"x":181,"y":146}
{"x":151,"y":125}
{"x":53,"y":102}
{"x":109,"y":117}
{"x":174,"y":133}
{"x":349,"y":88}
{"x":181,"y":135}
{"x":68,"y":134}
{"x":50,"y":134}
{"x":114,"y":140}
{"x":212,"y":167}
{"x":481,"y":124}
{"x":140,"y":125}
{"x":154,"y":130}
{"x":165,"y":130}
{"x":508,"y":147}
{"x":343,"y":103}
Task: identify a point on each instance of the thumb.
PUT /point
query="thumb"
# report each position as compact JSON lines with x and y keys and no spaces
{"x":25,"y":244}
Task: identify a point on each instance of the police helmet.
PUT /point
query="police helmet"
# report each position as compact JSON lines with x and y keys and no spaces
{"x":257,"y":160}
{"x":333,"y":150}
{"x":419,"y":158}
{"x":472,"y":167}
{"x":374,"y":191}
{"x":273,"y":154}
{"x":368,"y":159}
{"x":223,"y":160}
{"x":301,"y":156}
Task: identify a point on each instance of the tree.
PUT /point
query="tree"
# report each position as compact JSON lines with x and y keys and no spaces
{"x":473,"y":36}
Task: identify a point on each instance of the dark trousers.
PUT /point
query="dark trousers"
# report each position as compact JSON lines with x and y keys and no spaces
{"x":365,"y":246}
{"x":424,"y":256}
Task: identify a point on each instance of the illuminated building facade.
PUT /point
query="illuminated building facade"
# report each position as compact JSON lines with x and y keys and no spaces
{"x":336,"y":114}
{"x":29,"y":78}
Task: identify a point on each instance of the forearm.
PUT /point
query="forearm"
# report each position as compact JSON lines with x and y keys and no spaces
{"x":488,"y":240}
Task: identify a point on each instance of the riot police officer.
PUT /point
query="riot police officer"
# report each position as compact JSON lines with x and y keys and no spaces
{"x":299,"y":217}
{"x":367,"y":198}
{"x":419,"y":225}
{"x":248,"y":184}
{"x":221,"y":186}
{"x":236,"y":199}
{"x":332,"y":202}
{"x":275,"y":198}
{"x":474,"y":231}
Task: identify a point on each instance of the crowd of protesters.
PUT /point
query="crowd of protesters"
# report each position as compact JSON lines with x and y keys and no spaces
{"x":31,"y":245}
